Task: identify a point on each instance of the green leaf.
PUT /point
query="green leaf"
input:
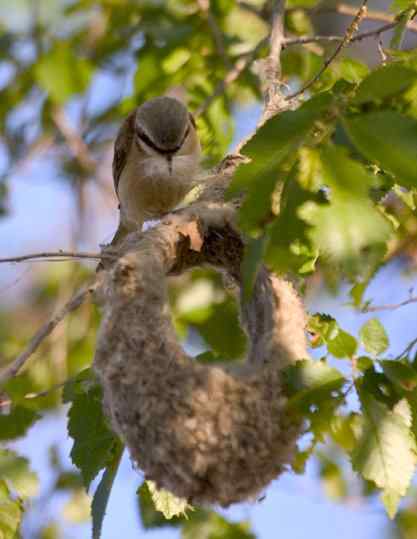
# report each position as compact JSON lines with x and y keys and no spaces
{"x":299,"y":462}
{"x":102,"y":493}
{"x":406,"y":522}
{"x":209,"y":525}
{"x":386,"y":450}
{"x":406,"y":196}
{"x":364,"y":363}
{"x":343,"y":429}
{"x":342,"y":344}
{"x":401,"y":27}
{"x":273,"y":143}
{"x":62,"y":73}
{"x":391,"y":500}
{"x":148,"y":72}
{"x":80,"y":384}
{"x":288,"y":248}
{"x":168,"y":504}
{"x":352,"y":70}
{"x":388,"y":139}
{"x":94,"y":443}
{"x":400,"y":373}
{"x":150,"y":517}
{"x":384,"y":82}
{"x":16,"y":423}
{"x":11,"y":512}
{"x":15,"y":470}
{"x":311,"y":381}
{"x":374,"y":337}
{"x":220,"y":328}
{"x":401,"y":5}
{"x":349,"y":222}
{"x":301,"y":3}
{"x":331,"y":477}
{"x":254,"y":252}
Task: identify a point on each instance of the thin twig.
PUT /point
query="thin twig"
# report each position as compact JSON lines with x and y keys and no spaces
{"x":245,"y":61}
{"x":272,"y":64}
{"x":29,"y":396}
{"x":341,"y":9}
{"x":407,"y":349}
{"x":54,"y":254}
{"x":381,"y":52}
{"x":303,"y":40}
{"x":388,"y":307}
{"x":353,"y":27}
{"x":77,"y":300}
{"x":374,"y":15}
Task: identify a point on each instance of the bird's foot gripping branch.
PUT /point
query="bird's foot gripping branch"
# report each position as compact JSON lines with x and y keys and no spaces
{"x":207,"y":433}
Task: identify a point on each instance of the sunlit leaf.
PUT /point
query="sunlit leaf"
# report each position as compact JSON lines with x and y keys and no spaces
{"x":388,"y":139}
{"x":401,"y":373}
{"x":374,"y":337}
{"x":288,"y":247}
{"x":311,"y":381}
{"x":386,"y":450}
{"x":213,"y":526}
{"x":77,"y":508}
{"x":62,"y":73}
{"x":150,"y":516}
{"x":10,"y":513}
{"x":342,"y":344}
{"x":271,"y":145}
{"x":349,"y":222}
{"x":384,"y":82}
{"x":332,"y":479}
{"x":16,"y":471}
{"x":168,"y":504}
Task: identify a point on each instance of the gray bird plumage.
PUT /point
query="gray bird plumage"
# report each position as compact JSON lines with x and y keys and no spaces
{"x":164,"y":120}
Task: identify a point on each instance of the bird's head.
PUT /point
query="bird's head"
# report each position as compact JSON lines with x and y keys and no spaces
{"x":163,"y":126}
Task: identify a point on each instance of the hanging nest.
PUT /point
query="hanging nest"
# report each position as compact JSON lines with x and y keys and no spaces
{"x":213,"y":434}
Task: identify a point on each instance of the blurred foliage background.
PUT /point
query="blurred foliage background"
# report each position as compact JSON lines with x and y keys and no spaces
{"x":343,"y":167}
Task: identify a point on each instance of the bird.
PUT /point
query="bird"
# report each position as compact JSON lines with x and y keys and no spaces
{"x":157,"y":157}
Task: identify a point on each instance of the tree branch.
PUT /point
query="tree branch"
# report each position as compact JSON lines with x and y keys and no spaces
{"x":272,"y":64}
{"x":374,"y":15}
{"x":303,"y":40}
{"x":388,"y":307}
{"x":353,"y":27}
{"x":52,"y":255}
{"x":77,"y":300}
{"x":407,"y":349}
{"x":246,"y":60}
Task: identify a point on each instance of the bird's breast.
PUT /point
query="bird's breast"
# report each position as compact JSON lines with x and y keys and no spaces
{"x":147,"y":189}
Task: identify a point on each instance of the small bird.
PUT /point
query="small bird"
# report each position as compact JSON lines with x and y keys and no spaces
{"x":156,"y":160}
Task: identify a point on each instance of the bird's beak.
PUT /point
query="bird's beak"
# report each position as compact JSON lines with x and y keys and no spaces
{"x":169,"y":159}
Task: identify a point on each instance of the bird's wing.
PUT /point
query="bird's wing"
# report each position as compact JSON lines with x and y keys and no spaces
{"x":122,"y":147}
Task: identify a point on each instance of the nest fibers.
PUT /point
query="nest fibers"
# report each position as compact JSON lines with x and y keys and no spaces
{"x":208,"y":433}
